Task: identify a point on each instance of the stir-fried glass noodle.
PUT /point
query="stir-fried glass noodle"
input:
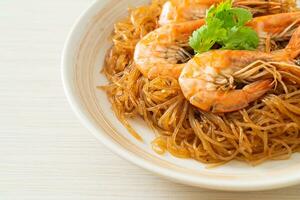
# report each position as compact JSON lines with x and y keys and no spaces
{"x":268,"y":128}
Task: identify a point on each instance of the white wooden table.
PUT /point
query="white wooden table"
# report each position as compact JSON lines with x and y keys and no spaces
{"x":45,"y":153}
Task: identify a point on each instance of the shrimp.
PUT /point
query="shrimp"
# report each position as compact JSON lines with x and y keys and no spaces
{"x":201,"y":77}
{"x":274,"y":29}
{"x":274,"y":24}
{"x":186,"y":10}
{"x":165,"y":50}
{"x":292,"y":50}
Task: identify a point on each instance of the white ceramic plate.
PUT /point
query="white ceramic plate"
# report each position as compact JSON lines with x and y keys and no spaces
{"x":82,"y":61}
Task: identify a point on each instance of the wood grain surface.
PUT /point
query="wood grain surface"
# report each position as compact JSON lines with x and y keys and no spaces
{"x":45,"y":153}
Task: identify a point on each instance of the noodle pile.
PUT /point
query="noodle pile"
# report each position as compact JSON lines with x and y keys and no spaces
{"x":267,"y":129}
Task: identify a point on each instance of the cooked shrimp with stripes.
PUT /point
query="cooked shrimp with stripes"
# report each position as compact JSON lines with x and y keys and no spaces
{"x":203,"y":76}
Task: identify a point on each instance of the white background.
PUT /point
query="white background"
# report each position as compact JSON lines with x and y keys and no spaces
{"x":45,"y":153}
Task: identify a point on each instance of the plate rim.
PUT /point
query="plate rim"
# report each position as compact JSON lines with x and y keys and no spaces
{"x":208,"y":183}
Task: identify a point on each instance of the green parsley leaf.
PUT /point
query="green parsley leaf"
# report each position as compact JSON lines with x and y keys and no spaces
{"x":223,"y":6}
{"x":206,"y":36}
{"x":241,"y":38}
{"x":241,"y":16}
{"x":225,"y":26}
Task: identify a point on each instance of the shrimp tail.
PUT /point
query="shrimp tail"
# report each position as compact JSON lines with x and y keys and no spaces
{"x":238,"y":99}
{"x":222,"y":102}
{"x":293,"y":47}
{"x":257,"y":89}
